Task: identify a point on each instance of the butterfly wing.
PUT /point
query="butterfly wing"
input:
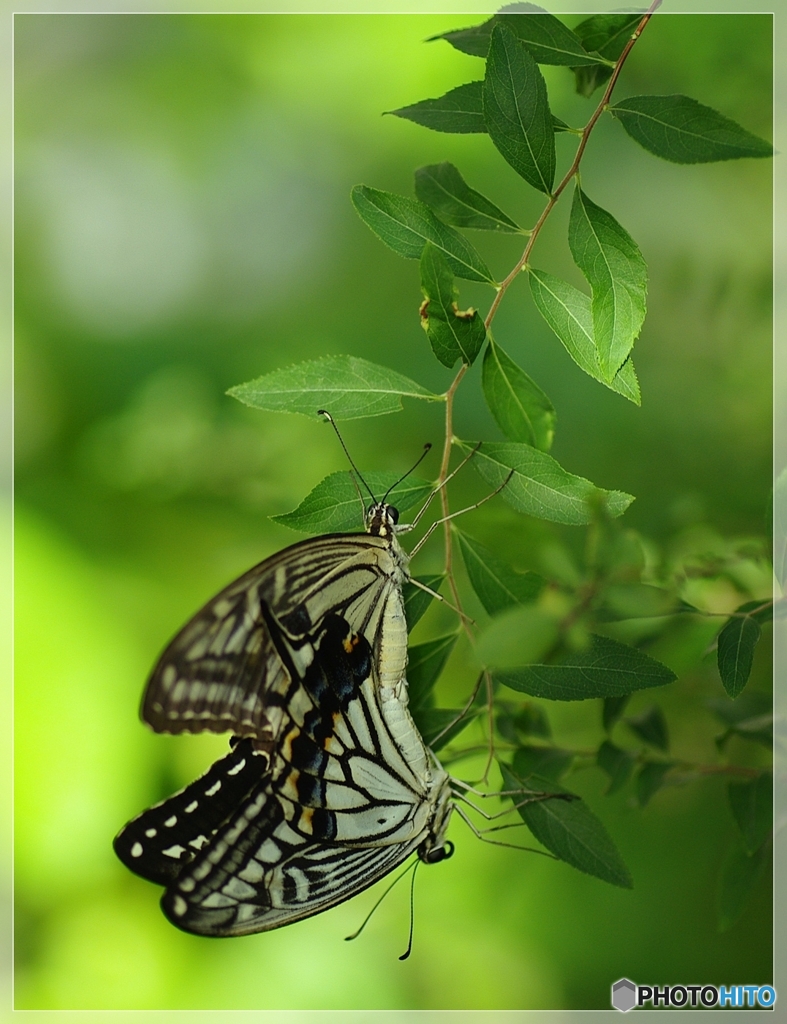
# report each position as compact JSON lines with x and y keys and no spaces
{"x":239,"y":655}
{"x":160,"y":841}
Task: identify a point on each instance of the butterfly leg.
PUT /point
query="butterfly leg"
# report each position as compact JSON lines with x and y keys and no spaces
{"x":478,"y":833}
{"x":453,"y":515}
{"x":407,"y":527}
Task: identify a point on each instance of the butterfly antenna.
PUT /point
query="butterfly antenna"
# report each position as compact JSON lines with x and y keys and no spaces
{"x":409,"y":949}
{"x":330,"y":419}
{"x":412,"y":469}
{"x":399,"y":877}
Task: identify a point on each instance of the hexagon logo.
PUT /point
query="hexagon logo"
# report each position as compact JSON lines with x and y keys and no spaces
{"x":624,"y":995}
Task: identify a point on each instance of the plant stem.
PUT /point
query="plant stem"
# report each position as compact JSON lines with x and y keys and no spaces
{"x":522,"y":263}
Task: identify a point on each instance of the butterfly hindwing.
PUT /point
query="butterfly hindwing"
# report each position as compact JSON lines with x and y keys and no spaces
{"x":160,"y":841}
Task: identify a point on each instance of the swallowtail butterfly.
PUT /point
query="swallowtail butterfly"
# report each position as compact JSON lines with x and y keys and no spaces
{"x":328,"y":785}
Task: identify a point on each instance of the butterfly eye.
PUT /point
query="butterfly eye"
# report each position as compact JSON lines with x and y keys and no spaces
{"x":393,"y":514}
{"x":439,"y":853}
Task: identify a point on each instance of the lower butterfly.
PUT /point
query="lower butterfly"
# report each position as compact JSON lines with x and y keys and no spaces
{"x":328,"y":785}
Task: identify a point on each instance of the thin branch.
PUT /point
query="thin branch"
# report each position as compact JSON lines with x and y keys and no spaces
{"x":522,"y":263}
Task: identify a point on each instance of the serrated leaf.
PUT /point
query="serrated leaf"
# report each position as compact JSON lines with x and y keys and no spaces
{"x":606,"y":668}
{"x":650,"y":779}
{"x":406,"y":225}
{"x":349,"y":388}
{"x":735,"y":653}
{"x":618,"y":764}
{"x":570,"y":830}
{"x":516,"y":110}
{"x":651,"y":726}
{"x":548,"y":39}
{"x":567,"y":311}
{"x":520,"y":408}
{"x":333,"y":505}
{"x":612,"y":709}
{"x":615,"y":270}
{"x":425,"y":662}
{"x":606,"y":34}
{"x":416,"y":601}
{"x":739,"y":875}
{"x":443,"y":188}
{"x":547,"y":762}
{"x":540,"y":487}
{"x":453,"y":334}
{"x":438,"y":726}
{"x":497,"y":585}
{"x":459,"y":111}
{"x":752,"y":808}
{"x":679,"y":129}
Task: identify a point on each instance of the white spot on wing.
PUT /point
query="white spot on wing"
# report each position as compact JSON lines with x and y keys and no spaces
{"x":213,"y":789}
{"x":238,"y":767}
{"x":173,"y":820}
{"x":136,"y":850}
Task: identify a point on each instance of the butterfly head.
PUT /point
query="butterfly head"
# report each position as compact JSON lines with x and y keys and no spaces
{"x":381,"y":519}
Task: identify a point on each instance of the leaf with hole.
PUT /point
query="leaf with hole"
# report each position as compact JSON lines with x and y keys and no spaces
{"x":568,"y":312}
{"x":452,"y":333}
{"x":569,"y":829}
{"x":679,"y":129}
{"x":516,"y":111}
{"x":615,"y":270}
{"x":406,"y":225}
{"x":521,"y":409}
{"x":540,"y":487}
{"x":349,"y":388}
{"x":606,"y":668}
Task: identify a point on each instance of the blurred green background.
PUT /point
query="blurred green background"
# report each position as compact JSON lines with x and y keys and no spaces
{"x":183,"y":224}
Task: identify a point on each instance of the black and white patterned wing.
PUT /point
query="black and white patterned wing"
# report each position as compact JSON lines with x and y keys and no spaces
{"x":159,"y":842}
{"x":256,"y":637}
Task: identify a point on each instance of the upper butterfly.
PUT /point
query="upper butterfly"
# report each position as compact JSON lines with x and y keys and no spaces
{"x":329,"y":784}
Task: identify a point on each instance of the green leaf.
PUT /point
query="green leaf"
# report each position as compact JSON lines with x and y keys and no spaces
{"x":521,"y":409}
{"x":650,"y":779}
{"x":548,"y":39}
{"x":616,"y":272}
{"x":349,"y":388}
{"x":459,"y":111}
{"x":638,"y":601}
{"x":453,"y":334}
{"x":570,"y":830}
{"x":406,"y":225}
{"x":751,"y":705}
{"x":531,"y":720}
{"x":516,"y":111}
{"x":606,"y":34}
{"x":618,"y":765}
{"x":612,"y":709}
{"x":517,"y":636}
{"x":540,"y":487}
{"x":443,"y":188}
{"x":735,"y":653}
{"x":333,"y":505}
{"x":737,"y":879}
{"x":445,"y":723}
{"x":752,"y":808}
{"x":567,"y":311}
{"x":425,"y":662}
{"x":605,"y":669}
{"x":416,"y":601}
{"x":548,"y":762}
{"x":496,"y":584}
{"x":680,"y":129}
{"x":651,"y":726}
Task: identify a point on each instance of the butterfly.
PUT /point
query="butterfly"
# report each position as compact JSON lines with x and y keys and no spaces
{"x":328,"y":784}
